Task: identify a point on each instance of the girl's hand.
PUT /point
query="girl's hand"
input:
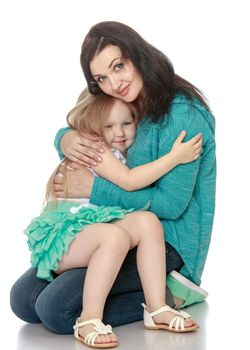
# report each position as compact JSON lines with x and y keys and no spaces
{"x":78,"y":183}
{"x":189,"y":151}
{"x":82,"y":149}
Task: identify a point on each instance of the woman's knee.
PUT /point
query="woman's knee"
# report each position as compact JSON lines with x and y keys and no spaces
{"x":23,"y":296}
{"x":61,"y":302}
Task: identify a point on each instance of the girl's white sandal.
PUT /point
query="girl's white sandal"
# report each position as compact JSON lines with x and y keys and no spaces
{"x":99,"y":329}
{"x":176,"y":324}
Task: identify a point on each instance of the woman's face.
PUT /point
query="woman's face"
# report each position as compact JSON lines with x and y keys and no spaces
{"x":115,"y":75}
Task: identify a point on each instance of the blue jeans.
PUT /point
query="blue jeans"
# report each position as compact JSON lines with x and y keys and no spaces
{"x":57,"y":304}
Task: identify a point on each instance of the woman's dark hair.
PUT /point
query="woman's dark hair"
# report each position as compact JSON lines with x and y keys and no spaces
{"x":161,"y":84}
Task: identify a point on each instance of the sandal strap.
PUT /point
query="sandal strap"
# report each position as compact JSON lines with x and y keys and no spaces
{"x":176,"y":322}
{"x":167,"y":308}
{"x":99,"y":329}
{"x":184,"y":314}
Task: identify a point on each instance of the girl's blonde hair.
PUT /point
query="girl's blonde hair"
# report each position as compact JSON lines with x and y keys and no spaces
{"x":87,"y":115}
{"x":89,"y":111}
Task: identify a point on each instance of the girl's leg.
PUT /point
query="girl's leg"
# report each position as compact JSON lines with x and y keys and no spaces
{"x":146,"y":232}
{"x":101,"y":247}
{"x":57,"y":304}
{"x":60,"y":304}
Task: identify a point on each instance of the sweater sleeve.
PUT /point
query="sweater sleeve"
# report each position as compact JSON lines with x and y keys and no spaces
{"x":108,"y":194}
{"x":60,"y":133}
{"x":171,"y":194}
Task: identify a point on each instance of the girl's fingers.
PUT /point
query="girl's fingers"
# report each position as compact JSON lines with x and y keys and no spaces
{"x":197,"y":154}
{"x":197,"y":144}
{"x":180,"y":138}
{"x":196,"y":139}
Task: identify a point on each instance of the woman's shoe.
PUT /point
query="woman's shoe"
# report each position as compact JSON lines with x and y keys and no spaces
{"x":99,"y":329}
{"x":183,"y":288}
{"x":176,"y":324}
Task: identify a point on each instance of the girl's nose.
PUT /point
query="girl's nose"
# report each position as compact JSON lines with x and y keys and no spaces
{"x":119,"y":131}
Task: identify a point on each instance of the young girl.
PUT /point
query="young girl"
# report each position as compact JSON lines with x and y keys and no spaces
{"x":73,"y":233}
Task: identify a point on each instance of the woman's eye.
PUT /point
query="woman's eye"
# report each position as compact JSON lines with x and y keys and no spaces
{"x":118,"y":67}
{"x":100,"y":80}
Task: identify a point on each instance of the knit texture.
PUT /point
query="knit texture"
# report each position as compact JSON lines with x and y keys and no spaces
{"x":183,"y":199}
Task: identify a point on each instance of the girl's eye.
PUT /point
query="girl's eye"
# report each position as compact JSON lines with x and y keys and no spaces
{"x":118,"y":67}
{"x":128,"y":123}
{"x":108,"y":126}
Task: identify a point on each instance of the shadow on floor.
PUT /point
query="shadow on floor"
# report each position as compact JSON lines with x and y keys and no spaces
{"x":131,"y":337}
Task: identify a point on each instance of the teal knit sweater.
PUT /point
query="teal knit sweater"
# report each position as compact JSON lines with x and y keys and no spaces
{"x":183,"y":199}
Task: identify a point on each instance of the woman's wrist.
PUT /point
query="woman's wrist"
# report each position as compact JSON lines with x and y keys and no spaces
{"x":57,"y":142}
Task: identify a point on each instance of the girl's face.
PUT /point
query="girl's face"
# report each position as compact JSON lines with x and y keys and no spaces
{"x":115,"y":75}
{"x":118,"y":127}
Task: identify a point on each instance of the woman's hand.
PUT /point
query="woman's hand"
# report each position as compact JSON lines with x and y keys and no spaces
{"x":79,"y":183}
{"x":82,"y":149}
{"x":189,"y":151}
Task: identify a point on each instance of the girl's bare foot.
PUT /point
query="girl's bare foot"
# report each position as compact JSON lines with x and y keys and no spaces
{"x":166,"y":317}
{"x":107,"y":338}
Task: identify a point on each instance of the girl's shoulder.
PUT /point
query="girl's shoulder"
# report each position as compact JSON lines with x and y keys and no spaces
{"x":118,"y":154}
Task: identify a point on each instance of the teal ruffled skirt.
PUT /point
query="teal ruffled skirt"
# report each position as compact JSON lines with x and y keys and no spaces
{"x":50,"y":234}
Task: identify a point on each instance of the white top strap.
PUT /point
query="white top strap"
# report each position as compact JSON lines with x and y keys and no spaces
{"x":163,"y":309}
{"x":99,"y":328}
{"x":95,"y":322}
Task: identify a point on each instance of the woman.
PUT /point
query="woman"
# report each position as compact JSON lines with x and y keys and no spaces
{"x":118,"y":62}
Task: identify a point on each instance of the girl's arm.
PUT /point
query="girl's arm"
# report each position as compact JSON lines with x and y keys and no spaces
{"x":171,"y":195}
{"x":141,"y":176}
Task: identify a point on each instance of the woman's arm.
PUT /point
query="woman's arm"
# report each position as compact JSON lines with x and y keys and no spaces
{"x":144,"y":175}
{"x":82,"y":149}
{"x":57,"y":141}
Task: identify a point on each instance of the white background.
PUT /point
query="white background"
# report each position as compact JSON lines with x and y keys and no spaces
{"x":41,"y":78}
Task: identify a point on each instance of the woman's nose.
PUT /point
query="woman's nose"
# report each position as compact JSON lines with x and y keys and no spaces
{"x":115,"y":83}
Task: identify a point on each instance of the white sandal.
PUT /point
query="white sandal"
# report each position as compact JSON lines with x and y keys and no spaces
{"x":176,"y":324}
{"x":99,"y":329}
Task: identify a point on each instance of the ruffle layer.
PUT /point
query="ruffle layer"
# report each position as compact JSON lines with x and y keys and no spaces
{"x":50,"y":234}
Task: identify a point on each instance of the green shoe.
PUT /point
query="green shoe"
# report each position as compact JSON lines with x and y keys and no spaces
{"x":183,"y":288}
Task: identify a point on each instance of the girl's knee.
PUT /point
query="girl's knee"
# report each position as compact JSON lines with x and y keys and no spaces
{"x":116,"y":238}
{"x":150,"y":224}
{"x":148,"y":218}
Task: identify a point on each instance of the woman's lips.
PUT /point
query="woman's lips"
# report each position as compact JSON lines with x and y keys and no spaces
{"x":124,"y":91}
